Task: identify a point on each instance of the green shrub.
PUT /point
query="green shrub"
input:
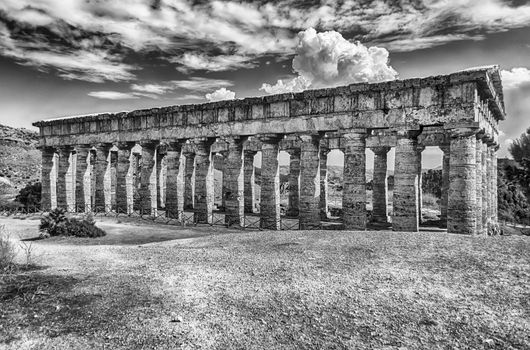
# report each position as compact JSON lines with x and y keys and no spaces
{"x":56,"y":223}
{"x":30,"y":195}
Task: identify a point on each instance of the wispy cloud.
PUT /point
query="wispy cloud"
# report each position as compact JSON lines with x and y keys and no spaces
{"x":112,"y":95}
{"x":191,"y":61}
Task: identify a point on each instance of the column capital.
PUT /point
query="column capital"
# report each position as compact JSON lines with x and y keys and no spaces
{"x":233,"y":139}
{"x":149,"y":143}
{"x":125,"y":145}
{"x":444,"y":147}
{"x":293,"y":152}
{"x":380,"y":150}
{"x":270,"y":138}
{"x":46,"y":149}
{"x":463,"y":132}
{"x":65,"y":148}
{"x":408,"y":133}
{"x":249,"y":153}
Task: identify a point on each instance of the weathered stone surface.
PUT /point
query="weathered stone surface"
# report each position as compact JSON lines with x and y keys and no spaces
{"x":48,"y":154}
{"x":445,"y":184}
{"x":63,"y":183}
{"x":379,"y":185}
{"x":233,"y":183}
{"x":405,"y":197}
{"x":324,"y":182}
{"x":270,"y":183}
{"x":172,"y":157}
{"x":420,"y":149}
{"x":148,"y":178}
{"x":309,"y":206}
{"x":478,"y":180}
{"x":100,"y":172}
{"x":354,"y":188}
{"x":82,"y":186}
{"x":203,"y":199}
{"x":124,"y":184}
{"x":461,"y":211}
{"x":249,"y":180}
{"x":294,"y":182}
{"x":189,"y":175}
{"x":485,"y":186}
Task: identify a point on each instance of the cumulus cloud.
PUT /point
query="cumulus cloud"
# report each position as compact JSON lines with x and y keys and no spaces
{"x":327,"y":59}
{"x":512,"y":79}
{"x":112,"y":95}
{"x":220,"y":94}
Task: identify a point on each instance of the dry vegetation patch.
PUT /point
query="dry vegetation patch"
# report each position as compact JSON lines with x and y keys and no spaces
{"x":265,"y":290}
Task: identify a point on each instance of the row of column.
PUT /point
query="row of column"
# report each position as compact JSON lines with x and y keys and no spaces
{"x":468,"y":193}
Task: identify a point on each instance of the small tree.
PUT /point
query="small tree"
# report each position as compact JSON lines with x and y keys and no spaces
{"x":520,"y":148}
{"x":30,"y":195}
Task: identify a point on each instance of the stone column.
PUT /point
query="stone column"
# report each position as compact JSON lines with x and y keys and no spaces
{"x":249,"y":180}
{"x":233,"y":183}
{"x":82,"y":186}
{"x":100,"y":169}
{"x":62,"y":179}
{"x":461,"y":212}
{"x":354,"y":187}
{"x":203,"y":180}
{"x":46,"y":174}
{"x":445,"y":185}
{"x":270,"y":182}
{"x":219,"y":160}
{"x":405,"y":199}
{"x":294,"y":182}
{"x":310,"y":183}
{"x":160,"y":185}
{"x":188,"y":180}
{"x":173,"y":152}
{"x":324,"y":183}
{"x":148,"y":195}
{"x":478,"y":177}
{"x":124,"y":181}
{"x":419,"y":149}
{"x":380,"y":185}
{"x":495,"y":185}
{"x":485,"y":185}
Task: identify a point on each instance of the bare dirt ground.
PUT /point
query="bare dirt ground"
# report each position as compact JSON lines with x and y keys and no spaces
{"x":161,"y":287}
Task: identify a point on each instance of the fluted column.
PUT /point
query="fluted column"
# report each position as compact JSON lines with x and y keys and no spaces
{"x":203,"y":180}
{"x":380,"y":185}
{"x":495,"y":185}
{"x":249,"y":180}
{"x":324,"y":183}
{"x":63,"y":181}
{"x":233,"y":182}
{"x":148,"y":178}
{"x":46,"y":175}
{"x":124,"y":181}
{"x":270,"y":182}
{"x":354,"y":187}
{"x":188,"y":180}
{"x":445,"y":185}
{"x":172,"y":157}
{"x":219,"y":163}
{"x":405,"y":199}
{"x":485,"y":185}
{"x":100,"y":170}
{"x":419,"y":149}
{"x":294,"y":182}
{"x":82,"y":186}
{"x":310,"y":184}
{"x":461,"y":212}
{"x":160,"y":178}
{"x":478,"y":180}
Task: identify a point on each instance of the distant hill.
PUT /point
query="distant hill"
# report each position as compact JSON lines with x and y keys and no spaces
{"x":20,"y":160}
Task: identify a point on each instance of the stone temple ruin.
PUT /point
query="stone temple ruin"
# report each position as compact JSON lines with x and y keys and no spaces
{"x":89,"y":162}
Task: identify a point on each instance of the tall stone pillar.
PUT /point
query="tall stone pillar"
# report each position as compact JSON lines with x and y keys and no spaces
{"x":82,"y":186}
{"x":173,"y":153}
{"x":445,"y":185}
{"x":270,"y":182}
{"x":203,"y":180}
{"x":478,"y":178}
{"x":219,"y":160}
{"x":160,"y":179}
{"x":495,"y":186}
{"x":100,"y":170}
{"x":324,"y":183}
{"x":233,"y":183}
{"x":461,"y":212}
{"x":485,"y":185}
{"x":354,"y":187}
{"x":124,"y":179}
{"x":63,"y":167}
{"x":188,"y":180}
{"x":48,"y":154}
{"x":405,"y":199}
{"x":294,"y":182}
{"x":380,"y":185}
{"x":419,"y":149}
{"x":310,"y":183}
{"x":148,"y":195}
{"x":249,"y":180}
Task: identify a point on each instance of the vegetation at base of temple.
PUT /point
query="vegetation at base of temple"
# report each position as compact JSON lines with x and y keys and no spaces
{"x":56,"y":223}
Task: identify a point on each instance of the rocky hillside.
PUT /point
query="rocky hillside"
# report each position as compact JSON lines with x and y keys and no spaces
{"x":19,"y":159}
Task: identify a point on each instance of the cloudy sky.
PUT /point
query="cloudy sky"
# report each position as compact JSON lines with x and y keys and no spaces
{"x":72,"y":57}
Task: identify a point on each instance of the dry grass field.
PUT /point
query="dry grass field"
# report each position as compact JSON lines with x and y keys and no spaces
{"x":160,"y":287}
